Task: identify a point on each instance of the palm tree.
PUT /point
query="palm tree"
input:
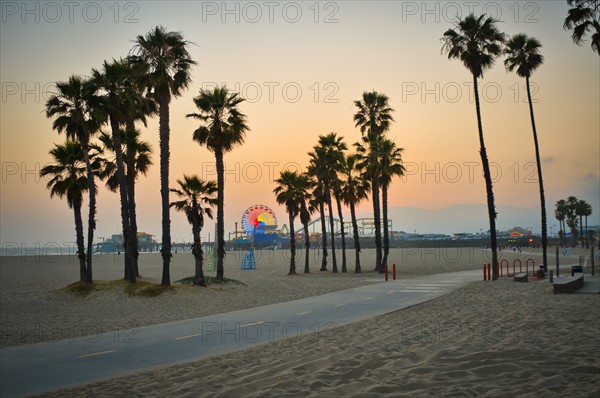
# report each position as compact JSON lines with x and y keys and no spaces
{"x":374,"y":117}
{"x":289,"y":193}
{"x":196,"y":199}
{"x":137,"y":157}
{"x":337,"y":192}
{"x":523,"y":55}
{"x":69,"y":179}
{"x":304,"y":185}
{"x":165,"y":61}
{"x":391,"y":165}
{"x":572,"y":221}
{"x":476,"y":42}
{"x":317,"y":203}
{"x":587,"y":211}
{"x":325,"y":160}
{"x":223,"y":128}
{"x":581,"y":210}
{"x":70,"y":107}
{"x":583,"y":17}
{"x":560,"y":212}
{"x":117,"y":96}
{"x":354,"y":190}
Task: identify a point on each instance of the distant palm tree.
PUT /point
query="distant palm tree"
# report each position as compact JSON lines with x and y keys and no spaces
{"x":325,"y":159}
{"x":354,"y":190}
{"x":69,"y":179}
{"x":523,"y":55}
{"x":391,"y":166}
{"x":587,"y":211}
{"x":288,"y":193}
{"x":196,"y":199}
{"x":581,"y":209}
{"x":572,"y":220}
{"x":373,"y":117}
{"x":164,"y":60}
{"x":71,"y":108}
{"x":137,"y":157}
{"x":223,"y":128}
{"x":560,"y":212}
{"x":582,"y":18}
{"x":476,"y":42}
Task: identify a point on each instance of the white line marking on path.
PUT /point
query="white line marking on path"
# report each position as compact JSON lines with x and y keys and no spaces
{"x":96,"y":354}
{"x":341,"y":305}
{"x":188,"y":336}
{"x":369,"y":298}
{"x":252,"y":324}
{"x":303,"y":313}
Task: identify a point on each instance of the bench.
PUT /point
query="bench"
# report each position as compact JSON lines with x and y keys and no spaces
{"x":521,"y":277}
{"x":576,"y":269}
{"x":568,"y":285}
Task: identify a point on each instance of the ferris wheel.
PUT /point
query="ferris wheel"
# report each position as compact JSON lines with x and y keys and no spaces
{"x":258,"y":219}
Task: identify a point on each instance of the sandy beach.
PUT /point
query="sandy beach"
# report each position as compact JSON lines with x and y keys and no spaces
{"x":487,"y":339}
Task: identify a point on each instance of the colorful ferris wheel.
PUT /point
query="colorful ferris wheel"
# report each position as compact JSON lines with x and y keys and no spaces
{"x":259,"y":219}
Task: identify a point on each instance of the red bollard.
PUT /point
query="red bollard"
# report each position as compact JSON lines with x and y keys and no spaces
{"x":500,"y":268}
{"x":484,"y":273}
{"x":489,"y":272}
{"x":507,"y":270}
{"x":394,"y":271}
{"x":386,"y":272}
{"x":532,"y":266}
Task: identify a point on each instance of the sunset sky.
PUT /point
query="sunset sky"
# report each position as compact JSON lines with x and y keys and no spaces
{"x":301,"y":65}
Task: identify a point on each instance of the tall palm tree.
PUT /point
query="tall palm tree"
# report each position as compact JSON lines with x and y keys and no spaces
{"x":587,"y":211}
{"x":476,"y":42}
{"x":354,"y":189}
{"x":560,"y":212}
{"x":164,"y":60}
{"x":582,"y":18}
{"x":117,"y":96}
{"x":222,"y":128}
{"x":69,"y":179}
{"x":288,"y":193}
{"x":523,"y":56}
{"x":137,"y":157}
{"x":196,"y":199}
{"x":373,"y":117}
{"x":337,"y":192}
{"x":72,"y":113}
{"x":391,"y":166}
{"x":325,"y":160}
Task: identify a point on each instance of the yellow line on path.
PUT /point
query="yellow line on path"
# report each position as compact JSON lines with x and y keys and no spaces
{"x":188,"y":336}
{"x":95,"y":354}
{"x":252,"y":324}
{"x":303,"y":313}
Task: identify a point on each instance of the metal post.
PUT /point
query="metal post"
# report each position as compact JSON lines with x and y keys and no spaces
{"x":551,"y":276}
{"x":592,"y":254}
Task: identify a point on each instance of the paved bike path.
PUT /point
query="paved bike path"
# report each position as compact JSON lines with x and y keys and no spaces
{"x":37,"y":368}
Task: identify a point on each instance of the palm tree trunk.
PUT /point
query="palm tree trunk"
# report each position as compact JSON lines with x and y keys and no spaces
{"x":79,"y":237}
{"x":332,"y":226}
{"x":130,"y":176}
{"x":386,"y":238}
{"x":164,"y":189}
{"x":341,"y":216}
{"x":92,"y":207}
{"x":220,"y":212}
{"x":133,"y":216}
{"x":357,"y":269}
{"x":197,"y":248}
{"x":377,"y":217}
{"x":581,"y":229}
{"x":307,"y":247}
{"x":292,"y":245}
{"x":540,"y":179}
{"x":488,"y":184}
{"x":324,"y":235}
{"x":129,"y":272}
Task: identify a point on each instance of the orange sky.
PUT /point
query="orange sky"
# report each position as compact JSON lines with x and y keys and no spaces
{"x":301,"y":79}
